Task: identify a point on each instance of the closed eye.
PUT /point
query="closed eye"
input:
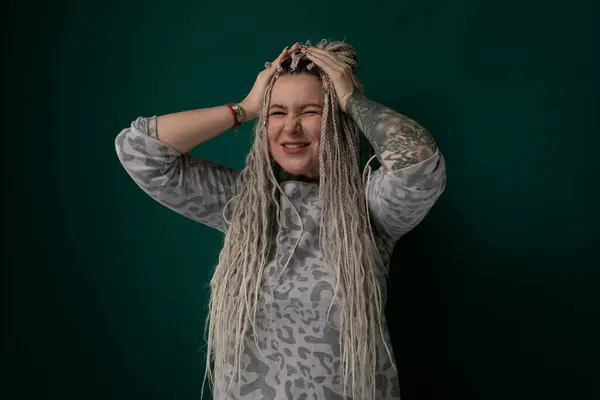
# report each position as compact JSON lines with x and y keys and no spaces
{"x":281,"y":113}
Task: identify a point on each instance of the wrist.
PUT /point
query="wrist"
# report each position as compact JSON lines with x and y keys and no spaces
{"x":250,"y":114}
{"x":346,"y":102}
{"x":239,"y":115}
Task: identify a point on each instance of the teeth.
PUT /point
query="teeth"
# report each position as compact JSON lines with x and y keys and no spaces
{"x":295,"y":146}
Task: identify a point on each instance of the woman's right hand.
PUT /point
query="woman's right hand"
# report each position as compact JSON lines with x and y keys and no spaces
{"x":253,"y":102}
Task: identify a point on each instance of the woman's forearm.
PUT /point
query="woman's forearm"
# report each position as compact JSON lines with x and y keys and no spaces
{"x":398,"y":140}
{"x":187,"y":129}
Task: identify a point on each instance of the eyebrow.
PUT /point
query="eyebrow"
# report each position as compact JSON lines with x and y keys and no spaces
{"x":301,"y":107}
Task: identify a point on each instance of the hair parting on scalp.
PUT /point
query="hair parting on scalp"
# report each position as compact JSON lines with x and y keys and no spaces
{"x":345,"y":240}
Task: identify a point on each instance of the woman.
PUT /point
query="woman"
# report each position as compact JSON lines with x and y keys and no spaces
{"x":298,"y":295}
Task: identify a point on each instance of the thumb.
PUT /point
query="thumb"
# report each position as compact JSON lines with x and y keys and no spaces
{"x":359,"y":85}
{"x":280,"y":58}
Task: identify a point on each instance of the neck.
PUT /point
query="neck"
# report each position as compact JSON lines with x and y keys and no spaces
{"x":302,"y":178}
{"x":282,"y":175}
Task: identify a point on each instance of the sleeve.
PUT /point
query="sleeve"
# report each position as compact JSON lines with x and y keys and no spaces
{"x":196,"y":188}
{"x":399,"y":200}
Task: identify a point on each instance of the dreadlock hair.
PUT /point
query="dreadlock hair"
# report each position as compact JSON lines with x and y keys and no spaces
{"x":345,"y":238}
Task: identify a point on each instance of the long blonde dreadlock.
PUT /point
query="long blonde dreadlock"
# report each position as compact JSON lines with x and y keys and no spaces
{"x":345,"y":238}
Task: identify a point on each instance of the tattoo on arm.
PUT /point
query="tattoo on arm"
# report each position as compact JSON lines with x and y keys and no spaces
{"x":398,"y":140}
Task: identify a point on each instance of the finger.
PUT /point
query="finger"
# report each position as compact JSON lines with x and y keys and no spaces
{"x":322,"y":62}
{"x":358,"y":84}
{"x":270,"y":67}
{"x":325,"y":65}
{"x":280,"y":57}
{"x":331,"y":58}
{"x":294,"y":48}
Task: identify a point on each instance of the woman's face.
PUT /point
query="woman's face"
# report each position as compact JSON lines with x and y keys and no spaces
{"x":295,"y":117}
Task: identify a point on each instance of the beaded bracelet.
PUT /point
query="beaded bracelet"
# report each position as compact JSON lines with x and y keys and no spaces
{"x":239,"y":115}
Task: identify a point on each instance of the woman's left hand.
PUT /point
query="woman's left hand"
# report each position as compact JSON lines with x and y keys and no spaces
{"x":340,"y":73}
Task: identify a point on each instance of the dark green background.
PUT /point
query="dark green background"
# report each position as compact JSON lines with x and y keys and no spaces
{"x":495,"y":294}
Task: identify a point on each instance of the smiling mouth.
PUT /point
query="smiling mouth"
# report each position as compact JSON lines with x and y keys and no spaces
{"x":295,"y":146}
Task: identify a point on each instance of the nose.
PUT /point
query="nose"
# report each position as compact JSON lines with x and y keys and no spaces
{"x":292,"y":124}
